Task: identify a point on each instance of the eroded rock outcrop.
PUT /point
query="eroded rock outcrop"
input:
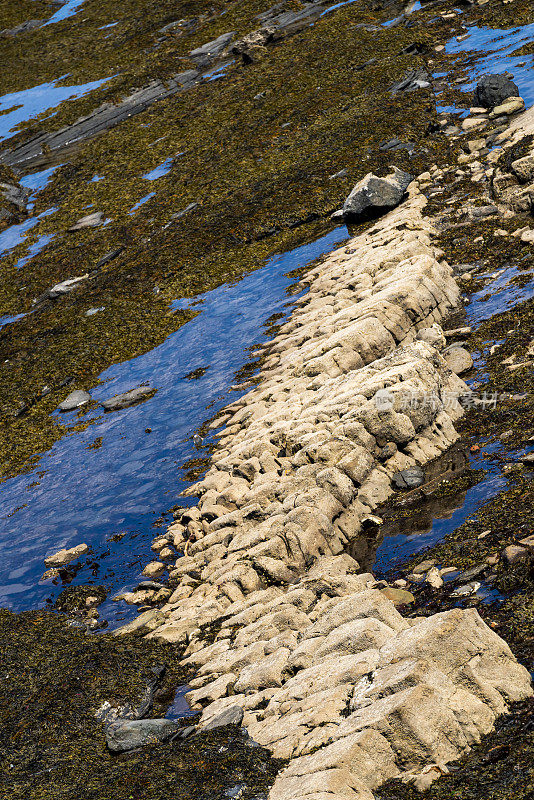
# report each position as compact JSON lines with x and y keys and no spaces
{"x":318,"y":663}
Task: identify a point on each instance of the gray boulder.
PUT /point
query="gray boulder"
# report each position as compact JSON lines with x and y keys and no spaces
{"x":230,"y":716}
{"x":74,"y":400}
{"x":373,"y":195}
{"x":458,"y":359}
{"x":126,"y":399}
{"x":492,"y":90}
{"x":129,"y":734}
{"x":409,"y":478}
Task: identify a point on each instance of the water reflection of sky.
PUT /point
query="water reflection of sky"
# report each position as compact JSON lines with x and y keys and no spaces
{"x":87,"y":495}
{"x":497,"y":46}
{"x":67,"y":10}
{"x":18,"y":107}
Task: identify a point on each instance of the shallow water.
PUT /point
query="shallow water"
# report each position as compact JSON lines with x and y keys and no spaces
{"x":399,"y":547}
{"x":159,"y":171}
{"x":500,"y":295}
{"x":141,"y":202}
{"x":76,"y":494}
{"x":19,"y":107}
{"x":67,"y":10}
{"x":498,"y":46}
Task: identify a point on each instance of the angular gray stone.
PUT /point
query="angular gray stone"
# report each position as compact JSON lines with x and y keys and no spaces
{"x":65,"y":286}
{"x":74,"y":400}
{"x":230,"y":716}
{"x":374,"y":195}
{"x":409,"y":478}
{"x":126,"y":399}
{"x":122,"y":736}
{"x":492,"y":90}
{"x":89,"y":221}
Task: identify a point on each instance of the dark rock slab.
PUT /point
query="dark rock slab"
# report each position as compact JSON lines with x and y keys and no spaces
{"x":230,"y":716}
{"x":130,"y":734}
{"x":492,"y":90}
{"x":24,"y":27}
{"x":409,"y":478}
{"x":413,"y":80}
{"x":74,"y":400}
{"x":47,"y":148}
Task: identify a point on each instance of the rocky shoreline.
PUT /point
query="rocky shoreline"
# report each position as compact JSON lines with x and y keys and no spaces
{"x":310,"y":655}
{"x":307,"y":676}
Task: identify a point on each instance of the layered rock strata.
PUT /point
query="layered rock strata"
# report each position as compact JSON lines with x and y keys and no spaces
{"x":318,"y":663}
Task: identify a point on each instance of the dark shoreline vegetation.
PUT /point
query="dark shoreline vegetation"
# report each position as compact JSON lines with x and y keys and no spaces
{"x":259,"y":170}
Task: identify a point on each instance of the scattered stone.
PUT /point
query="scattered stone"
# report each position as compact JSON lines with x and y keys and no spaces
{"x":129,"y":734}
{"x":126,"y":399}
{"x":65,"y":286}
{"x":397,"y":144}
{"x":466,"y":589}
{"x":341,"y":174}
{"x":63,"y":557}
{"x":492,"y":90}
{"x":415,"y":79}
{"x":409,"y":478}
{"x":374,"y":195}
{"x":253,"y":46}
{"x":399,"y":597}
{"x":474,"y":123}
{"x":511,"y":106}
{"x":74,"y":400}
{"x":454,"y":333}
{"x":231,"y":716}
{"x":471,"y":573}
{"x":514,"y":553}
{"x":89,"y":221}
{"x":424,"y":566}
{"x":458,"y":359}
{"x":480,"y":212}
{"x":433,"y":578}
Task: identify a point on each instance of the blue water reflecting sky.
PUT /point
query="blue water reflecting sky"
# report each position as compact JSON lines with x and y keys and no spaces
{"x":87,"y":495}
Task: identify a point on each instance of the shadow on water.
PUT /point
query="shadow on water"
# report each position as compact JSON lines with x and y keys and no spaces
{"x":115,"y":478}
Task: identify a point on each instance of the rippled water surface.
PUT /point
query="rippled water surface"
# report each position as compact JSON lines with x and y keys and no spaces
{"x":80,"y":493}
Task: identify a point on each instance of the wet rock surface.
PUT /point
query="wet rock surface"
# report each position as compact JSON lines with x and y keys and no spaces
{"x":126,"y":399}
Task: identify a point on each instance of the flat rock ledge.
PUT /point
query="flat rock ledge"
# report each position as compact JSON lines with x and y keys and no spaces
{"x":322,"y":667}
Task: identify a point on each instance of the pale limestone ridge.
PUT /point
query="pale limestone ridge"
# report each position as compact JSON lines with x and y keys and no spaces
{"x":324,"y":668}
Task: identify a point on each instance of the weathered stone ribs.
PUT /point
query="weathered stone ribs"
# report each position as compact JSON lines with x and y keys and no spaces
{"x":326,"y":671}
